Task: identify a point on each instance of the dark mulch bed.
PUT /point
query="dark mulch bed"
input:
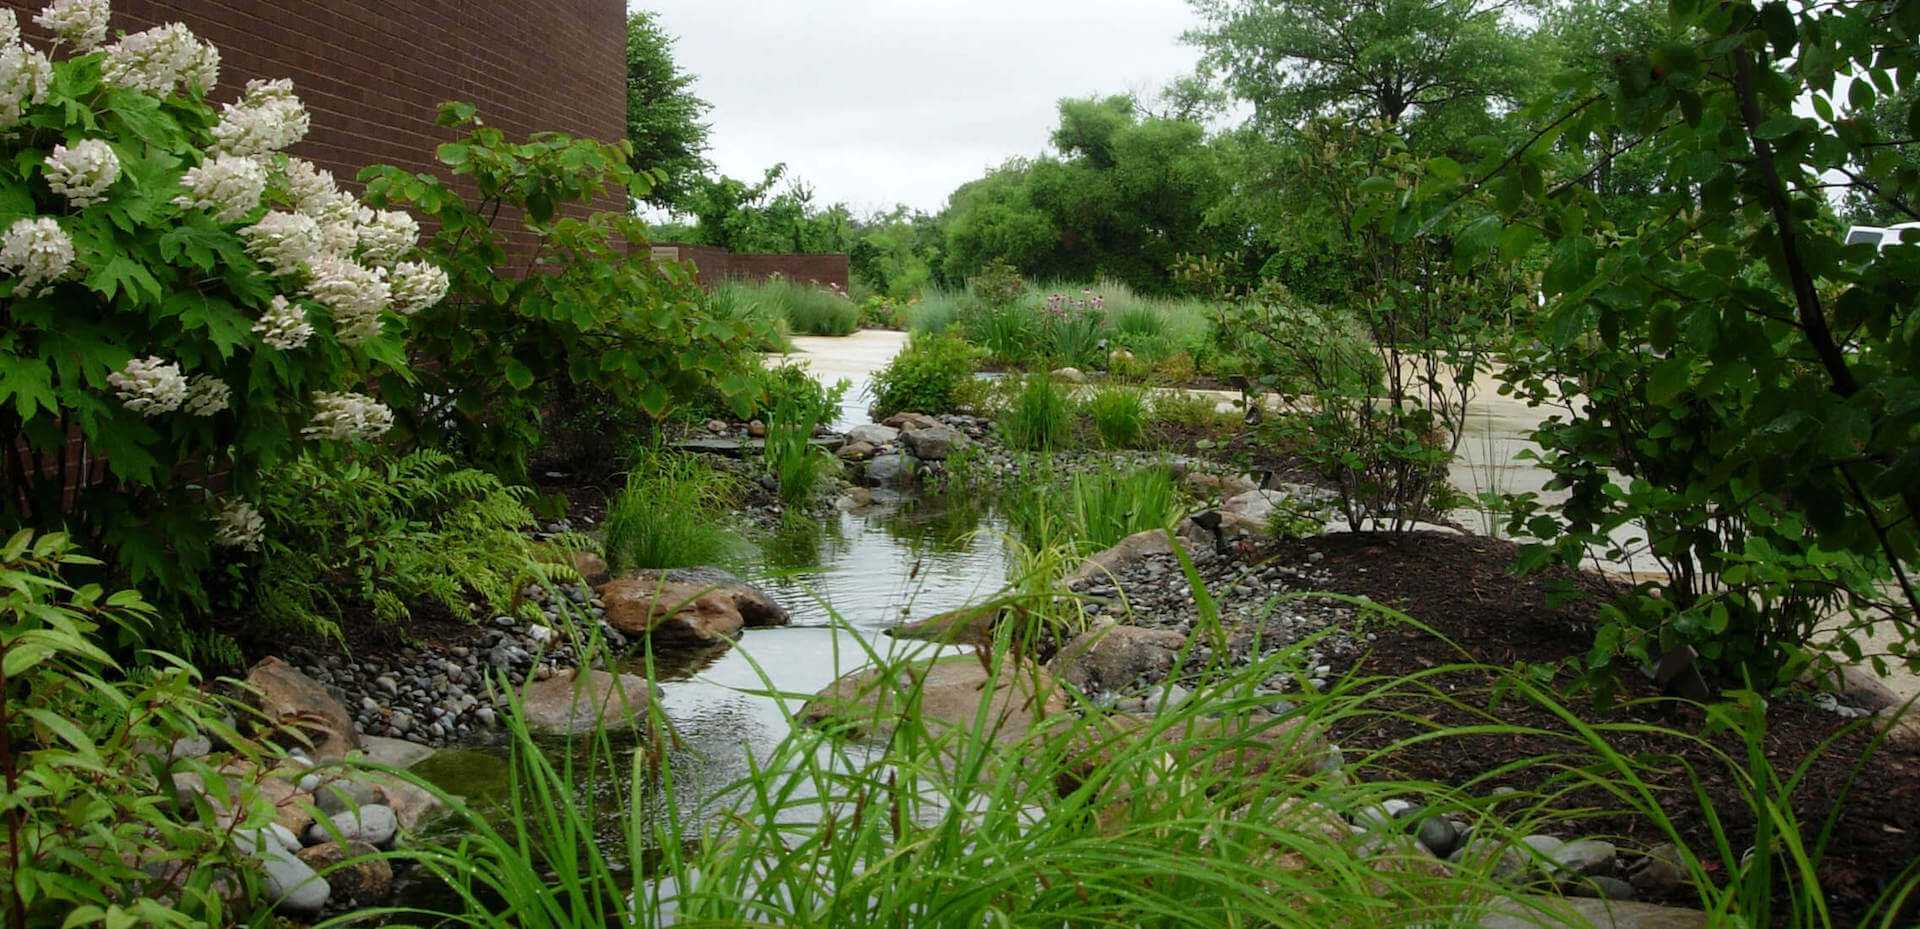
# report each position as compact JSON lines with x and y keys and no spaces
{"x":1464,"y":589}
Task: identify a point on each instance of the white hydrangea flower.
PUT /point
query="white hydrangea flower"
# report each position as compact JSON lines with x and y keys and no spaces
{"x":417,"y":285}
{"x":38,"y":251}
{"x":9,"y":28}
{"x":207,"y":395}
{"x":286,"y":242}
{"x":267,"y":119}
{"x":83,"y":173}
{"x":25,"y":76}
{"x":150,"y":386}
{"x":79,"y":23}
{"x":308,"y":187}
{"x":237,"y":524}
{"x":284,"y":326}
{"x":355,"y":294}
{"x":343,"y":416}
{"x":228,"y":185}
{"x":161,"y":60}
{"x":386,"y":236}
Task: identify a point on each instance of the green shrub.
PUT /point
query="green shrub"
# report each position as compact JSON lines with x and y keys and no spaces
{"x":1192,"y":411}
{"x":1119,"y":415}
{"x":791,"y":386}
{"x":1039,"y":417}
{"x":590,"y":306}
{"x":737,"y":302}
{"x":935,"y":311}
{"x":928,"y":376}
{"x":673,"y":513}
{"x":91,"y":829}
{"x":1092,"y":511}
{"x":375,"y":539}
{"x":171,"y":299}
{"x":809,"y":309}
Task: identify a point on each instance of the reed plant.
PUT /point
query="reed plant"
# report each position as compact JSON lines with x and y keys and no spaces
{"x":1119,"y":415}
{"x":672,"y":513}
{"x":1038,"y":417}
{"x":1092,"y":510}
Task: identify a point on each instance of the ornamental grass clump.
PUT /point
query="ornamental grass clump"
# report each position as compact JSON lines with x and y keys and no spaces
{"x":1039,"y":417}
{"x":673,"y":513}
{"x":180,"y":294}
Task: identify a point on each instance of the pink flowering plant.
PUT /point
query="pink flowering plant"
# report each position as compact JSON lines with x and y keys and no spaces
{"x":185,"y":305}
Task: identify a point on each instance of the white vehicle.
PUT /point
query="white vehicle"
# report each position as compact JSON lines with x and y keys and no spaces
{"x":1881,"y":237}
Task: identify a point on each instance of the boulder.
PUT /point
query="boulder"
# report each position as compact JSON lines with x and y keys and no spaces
{"x":873,"y":434}
{"x":1558,"y":913}
{"x":1109,"y":657}
{"x":373,"y":824}
{"x":858,"y":451}
{"x":299,"y":705}
{"x":292,"y":886}
{"x":1070,"y":375}
{"x":1584,"y":856}
{"x":890,"y":470}
{"x":411,"y":803}
{"x":1254,"y":504}
{"x":353,"y":870}
{"x":591,"y":567}
{"x":935,"y":443}
{"x":907,"y":422}
{"x":868,"y":703}
{"x":573,"y":703}
{"x":1223,"y":486}
{"x":964,"y":625}
{"x":393,"y":753}
{"x":696,"y":607}
{"x":1127,"y":552}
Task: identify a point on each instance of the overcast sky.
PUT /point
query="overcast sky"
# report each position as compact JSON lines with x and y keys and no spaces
{"x":876,"y":102}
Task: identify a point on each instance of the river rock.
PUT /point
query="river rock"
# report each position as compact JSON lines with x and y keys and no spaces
{"x":936,"y":443}
{"x":873,"y":434}
{"x":291,"y":885}
{"x":1659,"y":872}
{"x":1585,"y":856}
{"x":867,"y":703}
{"x":907,"y":422}
{"x":366,"y":880}
{"x":574,"y":702}
{"x":964,"y":625}
{"x":590,"y":566}
{"x":296,"y":702}
{"x":1256,"y":505}
{"x":1124,"y":554}
{"x":893,"y":470}
{"x":373,"y":824}
{"x":697,"y":607}
{"x":1575,"y":913}
{"x":858,"y":451}
{"x":1108,"y":657}
{"x":393,"y":753}
{"x":1222,"y":486}
{"x":1858,"y":686}
{"x":1070,"y":375}
{"x":342,"y":794}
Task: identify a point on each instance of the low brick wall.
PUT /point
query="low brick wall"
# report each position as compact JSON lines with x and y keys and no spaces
{"x":715,"y":265}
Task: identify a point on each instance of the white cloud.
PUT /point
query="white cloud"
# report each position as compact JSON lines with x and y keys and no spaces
{"x":875,"y":102}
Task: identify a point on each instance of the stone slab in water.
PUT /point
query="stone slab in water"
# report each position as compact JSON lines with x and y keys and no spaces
{"x":737,"y":448}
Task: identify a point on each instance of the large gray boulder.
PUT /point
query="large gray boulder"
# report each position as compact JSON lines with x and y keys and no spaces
{"x":893,"y":470}
{"x":873,"y":434}
{"x":935,"y":443}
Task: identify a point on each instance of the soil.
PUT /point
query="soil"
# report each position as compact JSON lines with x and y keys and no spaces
{"x":1464,"y":589}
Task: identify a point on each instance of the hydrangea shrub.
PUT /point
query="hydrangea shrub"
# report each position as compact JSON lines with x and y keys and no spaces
{"x":178,"y":293}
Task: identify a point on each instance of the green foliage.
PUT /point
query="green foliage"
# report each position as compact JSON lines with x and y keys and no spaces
{"x":1119,"y":415}
{"x":91,"y":830}
{"x":807,"y":309}
{"x":796,"y":464}
{"x":1749,"y":378}
{"x":1092,"y":511}
{"x":1039,"y":417}
{"x":792,"y":389}
{"x":590,"y":306}
{"x":372,"y":540}
{"x":178,"y":287}
{"x":743,"y":217}
{"x":1125,"y":197}
{"x":664,"y":126}
{"x":928,"y":376}
{"x":740,"y":302}
{"x":673,"y":513}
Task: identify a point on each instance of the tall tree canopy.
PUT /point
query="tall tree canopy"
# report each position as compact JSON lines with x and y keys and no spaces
{"x":664,"y":115}
{"x":1393,"y":60}
{"x":1124,"y":197}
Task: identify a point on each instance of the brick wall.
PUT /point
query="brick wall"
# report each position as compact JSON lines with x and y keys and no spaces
{"x":373,"y":73}
{"x":717,"y":264}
